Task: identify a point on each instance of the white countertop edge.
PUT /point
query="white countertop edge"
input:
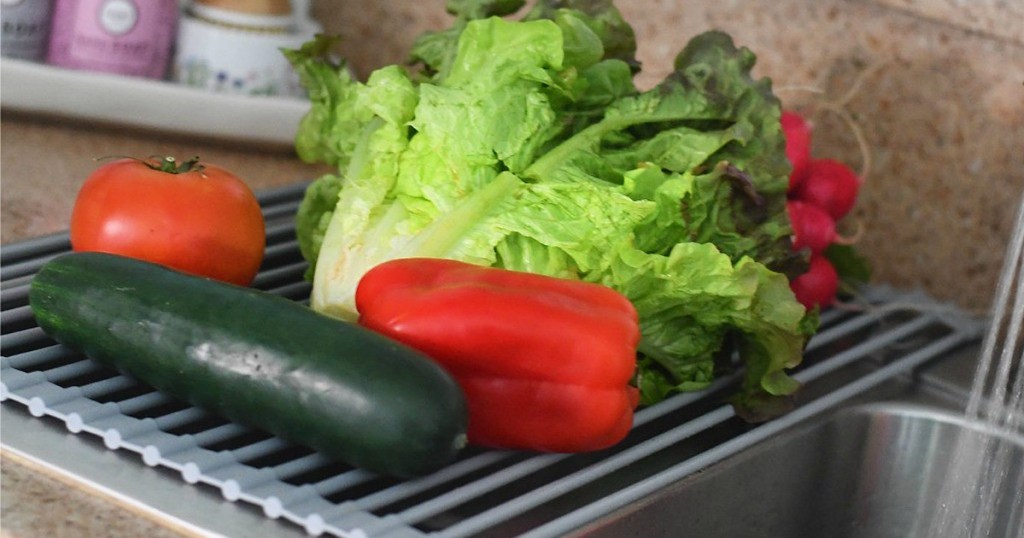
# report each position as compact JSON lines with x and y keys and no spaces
{"x":151,"y":104}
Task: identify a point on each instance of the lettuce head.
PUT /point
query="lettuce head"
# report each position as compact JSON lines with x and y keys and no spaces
{"x":524,"y":144}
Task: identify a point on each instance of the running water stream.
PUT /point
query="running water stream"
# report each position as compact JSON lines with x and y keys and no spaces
{"x":981,"y":498}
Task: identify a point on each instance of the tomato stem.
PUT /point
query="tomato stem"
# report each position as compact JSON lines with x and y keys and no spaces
{"x":172,"y":166}
{"x":165,"y":163}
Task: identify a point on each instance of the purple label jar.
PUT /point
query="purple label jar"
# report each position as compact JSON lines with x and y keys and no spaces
{"x":127,"y":37}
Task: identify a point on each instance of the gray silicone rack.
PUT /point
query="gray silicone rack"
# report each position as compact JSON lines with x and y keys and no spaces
{"x":482,"y":493}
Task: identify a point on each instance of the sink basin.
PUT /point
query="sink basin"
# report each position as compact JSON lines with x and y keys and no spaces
{"x":869,"y":470}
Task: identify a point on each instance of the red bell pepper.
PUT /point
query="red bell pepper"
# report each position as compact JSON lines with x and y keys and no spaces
{"x":545,"y":363}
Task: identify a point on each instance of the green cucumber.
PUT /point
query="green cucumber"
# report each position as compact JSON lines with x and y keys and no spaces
{"x":258,"y":359}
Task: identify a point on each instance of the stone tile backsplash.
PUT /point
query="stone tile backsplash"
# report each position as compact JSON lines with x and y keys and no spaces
{"x":1003,"y":19}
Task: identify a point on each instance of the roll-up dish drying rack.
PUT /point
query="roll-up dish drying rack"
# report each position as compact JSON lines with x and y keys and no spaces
{"x":484,"y":492}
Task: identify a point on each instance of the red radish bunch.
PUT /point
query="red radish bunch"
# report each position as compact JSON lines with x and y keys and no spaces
{"x":821,"y":191}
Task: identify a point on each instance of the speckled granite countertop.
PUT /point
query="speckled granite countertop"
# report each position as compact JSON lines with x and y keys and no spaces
{"x":936,"y":87}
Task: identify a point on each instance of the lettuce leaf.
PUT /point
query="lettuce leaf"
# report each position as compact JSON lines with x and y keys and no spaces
{"x":524,"y":144}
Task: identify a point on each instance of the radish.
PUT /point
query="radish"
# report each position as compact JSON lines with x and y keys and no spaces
{"x":797,"y":132}
{"x":818,"y":286}
{"x":813,"y":228}
{"x":830,"y":185}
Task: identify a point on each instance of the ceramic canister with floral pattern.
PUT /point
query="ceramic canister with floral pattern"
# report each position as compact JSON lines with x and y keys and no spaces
{"x":234,"y":46}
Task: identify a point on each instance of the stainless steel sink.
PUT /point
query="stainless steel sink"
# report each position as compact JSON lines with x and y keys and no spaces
{"x":868,"y":470}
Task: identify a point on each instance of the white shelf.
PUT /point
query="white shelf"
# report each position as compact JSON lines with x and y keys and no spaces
{"x":151,"y":104}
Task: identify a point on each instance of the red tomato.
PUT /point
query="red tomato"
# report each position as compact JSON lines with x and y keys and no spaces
{"x":194,"y":217}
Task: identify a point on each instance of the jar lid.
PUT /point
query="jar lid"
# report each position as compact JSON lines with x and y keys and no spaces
{"x":253,"y":7}
{"x":274,"y":16}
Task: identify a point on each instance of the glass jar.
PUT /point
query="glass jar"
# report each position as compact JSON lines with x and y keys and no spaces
{"x":25,"y":28}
